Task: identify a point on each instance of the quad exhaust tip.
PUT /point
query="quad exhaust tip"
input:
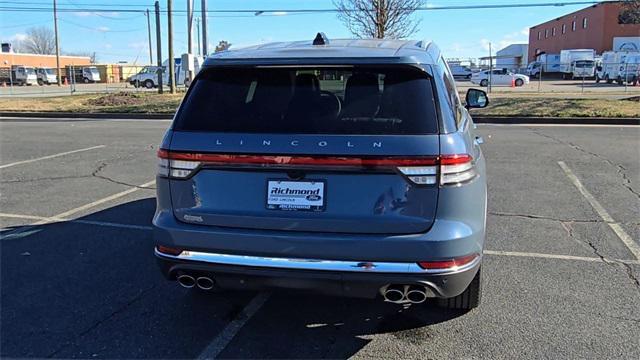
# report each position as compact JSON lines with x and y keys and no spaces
{"x":202,"y":282}
{"x":205,"y":283}
{"x":406,"y":294}
{"x":186,"y":281}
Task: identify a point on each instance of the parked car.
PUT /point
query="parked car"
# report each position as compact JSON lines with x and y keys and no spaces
{"x":325,"y":166}
{"x":499,"y":77}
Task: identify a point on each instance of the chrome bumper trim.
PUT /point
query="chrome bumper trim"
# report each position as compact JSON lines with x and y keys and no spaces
{"x":314,"y":264}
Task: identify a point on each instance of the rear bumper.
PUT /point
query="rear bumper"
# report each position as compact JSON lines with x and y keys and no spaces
{"x":342,"y":278}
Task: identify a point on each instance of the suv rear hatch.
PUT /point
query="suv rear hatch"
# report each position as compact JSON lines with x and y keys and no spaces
{"x":349,"y":149}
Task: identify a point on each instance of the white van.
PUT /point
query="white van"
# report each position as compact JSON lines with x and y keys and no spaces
{"x":613,"y":66}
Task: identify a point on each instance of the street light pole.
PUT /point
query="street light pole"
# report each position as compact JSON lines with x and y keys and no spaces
{"x":55,"y":27}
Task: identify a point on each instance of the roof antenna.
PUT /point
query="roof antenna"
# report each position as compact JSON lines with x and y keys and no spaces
{"x":321,"y":39}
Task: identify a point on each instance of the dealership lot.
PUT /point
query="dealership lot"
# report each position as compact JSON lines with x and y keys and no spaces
{"x":79,"y":280}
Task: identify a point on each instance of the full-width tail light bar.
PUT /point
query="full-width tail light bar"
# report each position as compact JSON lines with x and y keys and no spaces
{"x":424,"y":170}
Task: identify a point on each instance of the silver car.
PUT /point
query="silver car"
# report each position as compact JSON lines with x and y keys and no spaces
{"x":345,"y":167}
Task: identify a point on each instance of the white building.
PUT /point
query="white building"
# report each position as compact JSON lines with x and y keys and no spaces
{"x":513,"y":57}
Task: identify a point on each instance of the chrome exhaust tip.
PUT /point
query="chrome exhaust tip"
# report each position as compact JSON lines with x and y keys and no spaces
{"x":394,"y":294}
{"x":186,"y":281}
{"x":205,"y":283}
{"x":417,"y":295}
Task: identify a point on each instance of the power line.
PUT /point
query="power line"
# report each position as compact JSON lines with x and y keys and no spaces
{"x":102,"y":30}
{"x":308,"y":11}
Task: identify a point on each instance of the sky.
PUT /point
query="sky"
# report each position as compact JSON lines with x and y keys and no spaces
{"x":119,"y":35}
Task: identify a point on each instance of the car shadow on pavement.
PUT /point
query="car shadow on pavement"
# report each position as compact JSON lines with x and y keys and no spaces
{"x":91,"y":288}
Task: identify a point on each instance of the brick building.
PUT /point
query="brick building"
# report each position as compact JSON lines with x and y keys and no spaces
{"x":594,"y":27}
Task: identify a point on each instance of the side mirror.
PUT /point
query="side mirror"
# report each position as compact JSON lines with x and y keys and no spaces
{"x":476,"y":99}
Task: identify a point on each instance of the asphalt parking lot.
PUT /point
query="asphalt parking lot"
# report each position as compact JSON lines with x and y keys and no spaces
{"x":79,"y":280}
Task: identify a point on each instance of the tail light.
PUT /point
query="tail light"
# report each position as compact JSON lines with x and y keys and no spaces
{"x":456,"y":169}
{"x":453,"y":169}
{"x":448,"y":264}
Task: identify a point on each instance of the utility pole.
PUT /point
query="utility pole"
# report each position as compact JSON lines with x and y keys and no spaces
{"x":198,"y":32}
{"x":159,"y":47}
{"x":490,"y":69}
{"x":55,"y":27}
{"x":149,"y":31}
{"x":204,"y":28}
{"x":189,"y":26}
{"x":189,"y":37}
{"x":172,"y":70}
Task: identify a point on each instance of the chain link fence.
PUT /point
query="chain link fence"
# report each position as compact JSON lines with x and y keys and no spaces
{"x":83,"y":79}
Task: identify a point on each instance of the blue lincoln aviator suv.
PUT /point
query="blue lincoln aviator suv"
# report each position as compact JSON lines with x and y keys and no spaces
{"x":347,"y":167}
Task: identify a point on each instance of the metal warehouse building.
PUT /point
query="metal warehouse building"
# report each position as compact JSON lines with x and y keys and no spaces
{"x":594,"y":27}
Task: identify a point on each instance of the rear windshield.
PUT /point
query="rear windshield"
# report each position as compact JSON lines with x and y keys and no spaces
{"x":310,"y":100}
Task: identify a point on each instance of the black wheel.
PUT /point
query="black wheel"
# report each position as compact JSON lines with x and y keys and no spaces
{"x":619,"y":81}
{"x":597,"y":79}
{"x":519,"y":82}
{"x":148,"y":84}
{"x":468,"y":77}
{"x":85,"y":80}
{"x":469,"y":299}
{"x":484,"y":83}
{"x":40,"y":82}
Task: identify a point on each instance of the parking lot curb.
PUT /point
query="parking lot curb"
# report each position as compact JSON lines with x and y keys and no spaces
{"x":477,"y":118}
{"x":555,"y":120}
{"x":71,"y":115}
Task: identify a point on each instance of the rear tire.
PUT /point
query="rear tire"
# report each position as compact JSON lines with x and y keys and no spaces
{"x":469,"y":299}
{"x":148,"y":84}
{"x":484,"y":83}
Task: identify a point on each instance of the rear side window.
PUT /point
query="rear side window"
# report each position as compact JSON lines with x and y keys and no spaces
{"x":310,"y":100}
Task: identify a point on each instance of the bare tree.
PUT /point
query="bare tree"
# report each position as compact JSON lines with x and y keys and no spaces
{"x":40,"y":40}
{"x":379,"y":18}
{"x":630,"y":12}
{"x":223,"y":45}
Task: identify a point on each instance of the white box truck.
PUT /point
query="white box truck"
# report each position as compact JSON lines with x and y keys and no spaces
{"x":548,"y":63}
{"x":46,"y":76}
{"x":18,"y":75}
{"x":577,"y":63}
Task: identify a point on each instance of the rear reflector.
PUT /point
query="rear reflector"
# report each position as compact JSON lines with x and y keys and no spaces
{"x":448,"y":264}
{"x":168,"y":250}
{"x":423,"y":170}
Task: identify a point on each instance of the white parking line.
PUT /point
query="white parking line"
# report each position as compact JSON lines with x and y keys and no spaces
{"x":50,"y":156}
{"x":633,"y":247}
{"x":103,"y":200}
{"x":16,"y":232}
{"x":77,"y":221}
{"x":227,"y":334}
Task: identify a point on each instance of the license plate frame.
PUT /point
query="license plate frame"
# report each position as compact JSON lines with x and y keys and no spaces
{"x":296,"y":202}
